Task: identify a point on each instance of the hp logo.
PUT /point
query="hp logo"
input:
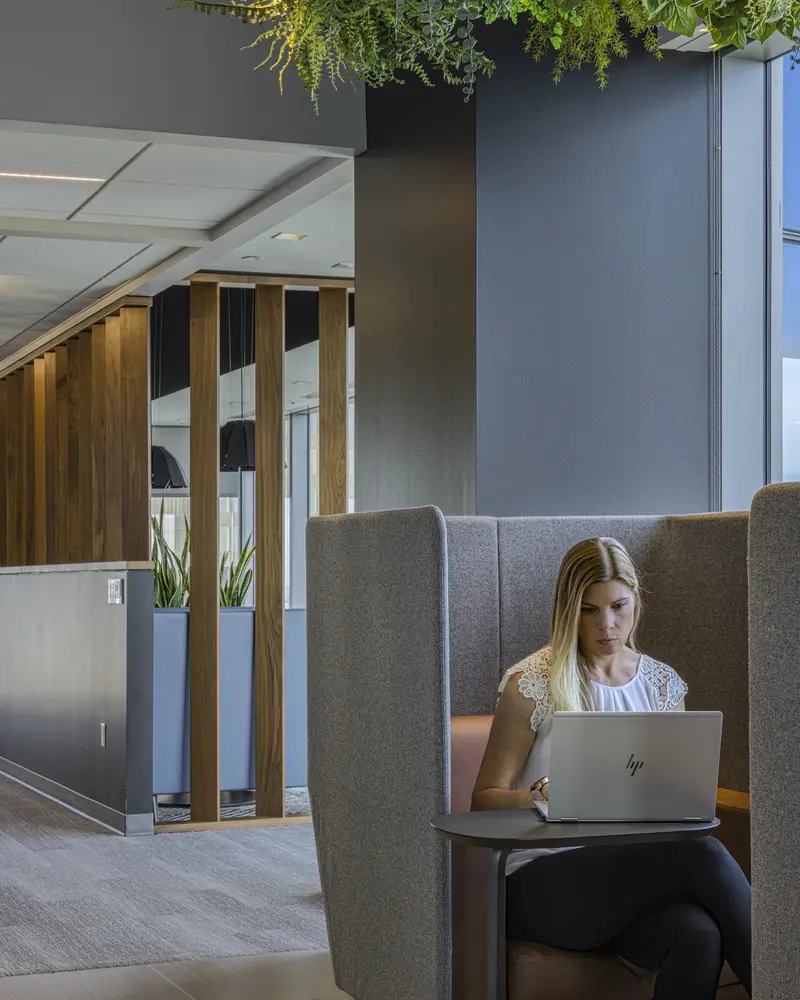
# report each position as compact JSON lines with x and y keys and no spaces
{"x":634,"y":765}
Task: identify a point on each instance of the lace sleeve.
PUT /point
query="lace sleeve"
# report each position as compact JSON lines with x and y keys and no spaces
{"x":533,"y":677}
{"x":670,"y":688}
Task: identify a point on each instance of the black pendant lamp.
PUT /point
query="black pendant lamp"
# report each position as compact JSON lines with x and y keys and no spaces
{"x":237,"y":438}
{"x":237,"y":446}
{"x":167,"y":473}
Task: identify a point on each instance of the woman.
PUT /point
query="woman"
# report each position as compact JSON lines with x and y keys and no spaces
{"x":681,"y":907}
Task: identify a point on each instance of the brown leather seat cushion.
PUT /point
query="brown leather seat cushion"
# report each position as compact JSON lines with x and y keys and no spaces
{"x":535,"y":972}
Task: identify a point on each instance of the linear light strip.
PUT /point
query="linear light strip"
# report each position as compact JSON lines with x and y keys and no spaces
{"x":50,"y":177}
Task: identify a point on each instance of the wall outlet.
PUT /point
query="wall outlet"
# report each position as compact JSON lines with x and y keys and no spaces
{"x":103,"y":740}
{"x":115,"y":594}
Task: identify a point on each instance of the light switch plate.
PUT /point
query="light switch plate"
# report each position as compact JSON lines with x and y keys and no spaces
{"x":115,"y":591}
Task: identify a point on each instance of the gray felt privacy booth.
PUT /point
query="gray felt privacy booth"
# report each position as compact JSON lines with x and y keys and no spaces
{"x":413,"y":617}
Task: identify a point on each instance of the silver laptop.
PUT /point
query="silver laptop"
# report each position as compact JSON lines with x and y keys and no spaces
{"x":633,"y":767}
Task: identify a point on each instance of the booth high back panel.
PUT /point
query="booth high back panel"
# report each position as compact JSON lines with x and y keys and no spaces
{"x":379,"y":761}
{"x":412,"y":619}
{"x":775,"y":752}
{"x":694,"y":577}
{"x":474,"y":614}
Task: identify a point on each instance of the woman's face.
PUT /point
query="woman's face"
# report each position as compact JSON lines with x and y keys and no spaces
{"x":606,"y":620}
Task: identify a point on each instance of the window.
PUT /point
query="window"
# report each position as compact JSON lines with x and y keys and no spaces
{"x":173,"y":514}
{"x":790,"y":360}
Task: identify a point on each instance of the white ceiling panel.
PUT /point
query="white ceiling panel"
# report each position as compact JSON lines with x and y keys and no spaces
{"x":198,"y":166}
{"x":163,"y":204}
{"x":74,"y":156}
{"x":330,"y":240}
{"x":134,"y":266}
{"x":32,"y":213}
{"x":57,"y":260}
{"x":24,"y":288}
{"x":60,"y":197}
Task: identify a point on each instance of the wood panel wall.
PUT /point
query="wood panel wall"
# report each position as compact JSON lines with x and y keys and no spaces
{"x":333,"y":315}
{"x":3,"y":470}
{"x":75,"y":492}
{"x":27,"y":479}
{"x":40,"y":462}
{"x":50,"y":439}
{"x":204,"y":517}
{"x":14,"y":553}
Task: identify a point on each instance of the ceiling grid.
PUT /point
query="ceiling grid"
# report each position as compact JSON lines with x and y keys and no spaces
{"x":83,"y":220}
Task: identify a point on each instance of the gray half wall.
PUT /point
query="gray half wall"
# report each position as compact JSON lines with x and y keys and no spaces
{"x":70,"y":662}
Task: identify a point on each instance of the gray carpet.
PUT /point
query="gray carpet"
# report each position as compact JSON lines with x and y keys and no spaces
{"x":73,"y":896}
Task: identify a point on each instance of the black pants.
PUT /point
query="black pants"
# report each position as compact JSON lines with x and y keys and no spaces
{"x":680,"y":907}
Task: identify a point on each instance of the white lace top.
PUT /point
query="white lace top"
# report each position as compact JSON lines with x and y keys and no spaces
{"x":654,"y":688}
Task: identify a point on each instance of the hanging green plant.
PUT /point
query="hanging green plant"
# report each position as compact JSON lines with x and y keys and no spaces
{"x":377,"y":41}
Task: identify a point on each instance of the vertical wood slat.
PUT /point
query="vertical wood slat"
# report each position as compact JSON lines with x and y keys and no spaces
{"x":98,"y":439}
{"x":62,"y":454}
{"x":28,"y":468}
{"x":3,"y":473}
{"x":13,"y":448}
{"x":51,"y":461}
{"x":135,"y":334}
{"x":85,"y":484}
{"x":114,"y":441}
{"x":269,"y":611}
{"x":73,"y":450}
{"x":40,"y":462}
{"x":333,"y":317}
{"x":204,"y":517}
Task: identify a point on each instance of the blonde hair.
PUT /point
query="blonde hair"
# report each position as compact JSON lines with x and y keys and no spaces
{"x":595,"y":560}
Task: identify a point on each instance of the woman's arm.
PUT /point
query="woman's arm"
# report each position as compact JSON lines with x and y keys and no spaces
{"x":510,"y":742}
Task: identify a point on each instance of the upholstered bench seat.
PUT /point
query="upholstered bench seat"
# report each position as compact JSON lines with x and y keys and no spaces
{"x":535,"y":972}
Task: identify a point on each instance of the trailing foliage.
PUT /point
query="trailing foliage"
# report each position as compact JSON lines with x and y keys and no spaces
{"x":377,"y":41}
{"x":235,"y":580}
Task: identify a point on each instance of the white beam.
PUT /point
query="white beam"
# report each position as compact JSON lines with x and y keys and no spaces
{"x":306,"y":188}
{"x":180,"y":139}
{"x":103,"y":232}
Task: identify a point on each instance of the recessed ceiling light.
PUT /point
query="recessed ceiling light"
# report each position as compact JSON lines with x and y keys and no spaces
{"x":289,"y":236}
{"x":251,"y":256}
{"x":51,"y":177}
{"x":347,"y":267}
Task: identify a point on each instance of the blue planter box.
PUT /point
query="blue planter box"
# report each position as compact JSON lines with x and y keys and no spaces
{"x":237,"y":721}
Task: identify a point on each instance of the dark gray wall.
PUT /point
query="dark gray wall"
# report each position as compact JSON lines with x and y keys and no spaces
{"x":415,"y":335}
{"x":65,"y":668}
{"x":593,"y":291}
{"x":135,"y":64}
{"x":582,"y":377}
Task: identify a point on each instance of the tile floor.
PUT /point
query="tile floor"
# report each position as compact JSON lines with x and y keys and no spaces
{"x":295,"y":976}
